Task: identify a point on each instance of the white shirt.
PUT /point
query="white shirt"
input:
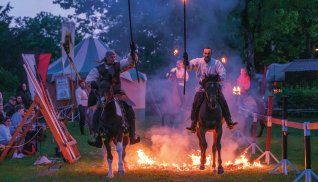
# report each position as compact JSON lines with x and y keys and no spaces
{"x":202,"y":68}
{"x":179,"y":73}
{"x":81,"y":96}
{"x":125,"y":65}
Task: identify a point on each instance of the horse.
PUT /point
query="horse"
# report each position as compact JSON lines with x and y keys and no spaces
{"x":210,"y":119}
{"x":249,"y":105}
{"x":112,"y":128}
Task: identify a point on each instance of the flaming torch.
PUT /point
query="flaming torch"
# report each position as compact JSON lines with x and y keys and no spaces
{"x":223,"y":59}
{"x":175,"y":52}
{"x":236,"y":90}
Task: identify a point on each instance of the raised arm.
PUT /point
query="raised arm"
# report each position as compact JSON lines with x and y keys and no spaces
{"x":127,"y":63}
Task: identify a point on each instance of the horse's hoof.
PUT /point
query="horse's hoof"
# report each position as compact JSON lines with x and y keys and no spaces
{"x":220,"y":170}
{"x":110,"y":176}
{"x":121,"y":173}
{"x":202,"y":167}
{"x":214,"y":169}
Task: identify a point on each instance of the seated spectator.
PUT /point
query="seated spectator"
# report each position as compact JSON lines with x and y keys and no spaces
{"x":9,"y":108}
{"x":19,"y":100}
{"x":24,"y":92}
{"x":16,"y":118}
{"x":5,"y":135}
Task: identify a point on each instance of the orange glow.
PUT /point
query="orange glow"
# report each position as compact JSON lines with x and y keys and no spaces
{"x":175,"y":52}
{"x":236,"y":90}
{"x":242,"y":163}
{"x":223,"y":60}
{"x":144,"y":161}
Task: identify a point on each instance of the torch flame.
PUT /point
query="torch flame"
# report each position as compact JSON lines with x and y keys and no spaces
{"x":236,"y":90}
{"x":175,"y":52}
{"x":223,"y":60}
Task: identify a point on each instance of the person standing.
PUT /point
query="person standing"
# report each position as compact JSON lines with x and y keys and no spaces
{"x":204,"y":66}
{"x":244,"y":81}
{"x":109,"y":73}
{"x":25,"y":94}
{"x":81,"y":99}
{"x":176,"y":74}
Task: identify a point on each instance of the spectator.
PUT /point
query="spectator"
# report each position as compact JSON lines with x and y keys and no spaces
{"x":81,"y":99}
{"x":25,"y":94}
{"x":244,"y":82}
{"x":9,"y":108}
{"x":5,"y":135}
{"x":19,"y":100}
{"x":16,"y":118}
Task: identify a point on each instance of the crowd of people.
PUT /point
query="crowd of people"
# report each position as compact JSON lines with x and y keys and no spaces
{"x":12,"y":114}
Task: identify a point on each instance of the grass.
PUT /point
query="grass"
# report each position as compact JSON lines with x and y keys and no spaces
{"x":91,"y":167}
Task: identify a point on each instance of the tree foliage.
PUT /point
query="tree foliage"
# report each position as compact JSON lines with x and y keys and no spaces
{"x":276,"y":31}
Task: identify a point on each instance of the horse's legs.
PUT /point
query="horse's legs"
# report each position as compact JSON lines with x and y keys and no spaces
{"x":119,"y":149}
{"x":125,"y":143}
{"x":218,"y":147}
{"x":109,"y":158}
{"x":203,"y":145}
{"x":214,"y":151}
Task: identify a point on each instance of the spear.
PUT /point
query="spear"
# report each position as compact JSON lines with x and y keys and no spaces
{"x":185,"y":54}
{"x":132,"y":44}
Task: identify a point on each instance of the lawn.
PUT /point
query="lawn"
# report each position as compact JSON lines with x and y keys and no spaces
{"x":91,"y":166}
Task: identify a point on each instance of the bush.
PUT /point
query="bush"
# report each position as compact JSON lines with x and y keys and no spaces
{"x":303,"y":97}
{"x":8,"y":83}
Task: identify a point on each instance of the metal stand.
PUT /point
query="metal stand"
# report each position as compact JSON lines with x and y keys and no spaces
{"x":308,"y":172}
{"x":268,"y":155}
{"x":284,"y":162}
{"x":253,"y":145}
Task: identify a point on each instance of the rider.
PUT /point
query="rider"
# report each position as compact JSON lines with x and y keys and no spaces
{"x":207,"y":66}
{"x":109,"y":71}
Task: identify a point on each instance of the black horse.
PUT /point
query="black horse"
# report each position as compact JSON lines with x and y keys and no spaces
{"x":112,"y":128}
{"x":210,"y":119}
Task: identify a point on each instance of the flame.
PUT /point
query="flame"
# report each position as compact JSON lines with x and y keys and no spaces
{"x":236,"y":90}
{"x":175,"y":52}
{"x":223,"y":60}
{"x":146,"y":162}
{"x":243,"y":163}
{"x":144,"y":159}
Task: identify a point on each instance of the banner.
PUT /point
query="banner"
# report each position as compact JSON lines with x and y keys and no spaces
{"x":30,"y":59}
{"x":68,"y":40}
{"x":62,"y":88}
{"x":43,"y":64}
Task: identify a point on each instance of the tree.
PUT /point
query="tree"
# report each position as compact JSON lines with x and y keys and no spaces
{"x":157,"y":26}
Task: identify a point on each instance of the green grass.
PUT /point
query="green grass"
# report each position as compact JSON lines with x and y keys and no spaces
{"x":91,"y":166}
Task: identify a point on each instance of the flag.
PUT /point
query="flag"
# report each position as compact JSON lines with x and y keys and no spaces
{"x":43,"y":64}
{"x":30,"y":59}
{"x":68,"y":40}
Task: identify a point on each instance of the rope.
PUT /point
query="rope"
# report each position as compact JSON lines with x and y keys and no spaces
{"x":17,"y":146}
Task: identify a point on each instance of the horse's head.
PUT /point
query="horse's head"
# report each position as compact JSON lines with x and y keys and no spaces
{"x":212,"y":88}
{"x":106,"y":90}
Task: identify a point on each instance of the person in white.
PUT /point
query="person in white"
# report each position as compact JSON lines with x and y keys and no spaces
{"x":82,"y":99}
{"x":205,"y":66}
{"x":176,"y":74}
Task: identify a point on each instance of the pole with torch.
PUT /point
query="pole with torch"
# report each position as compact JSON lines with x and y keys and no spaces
{"x":185,"y":54}
{"x":132,"y":44}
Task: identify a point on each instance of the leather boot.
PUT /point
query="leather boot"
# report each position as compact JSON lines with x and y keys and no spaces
{"x":98,"y":143}
{"x":230,"y":124}
{"x":192,"y":127}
